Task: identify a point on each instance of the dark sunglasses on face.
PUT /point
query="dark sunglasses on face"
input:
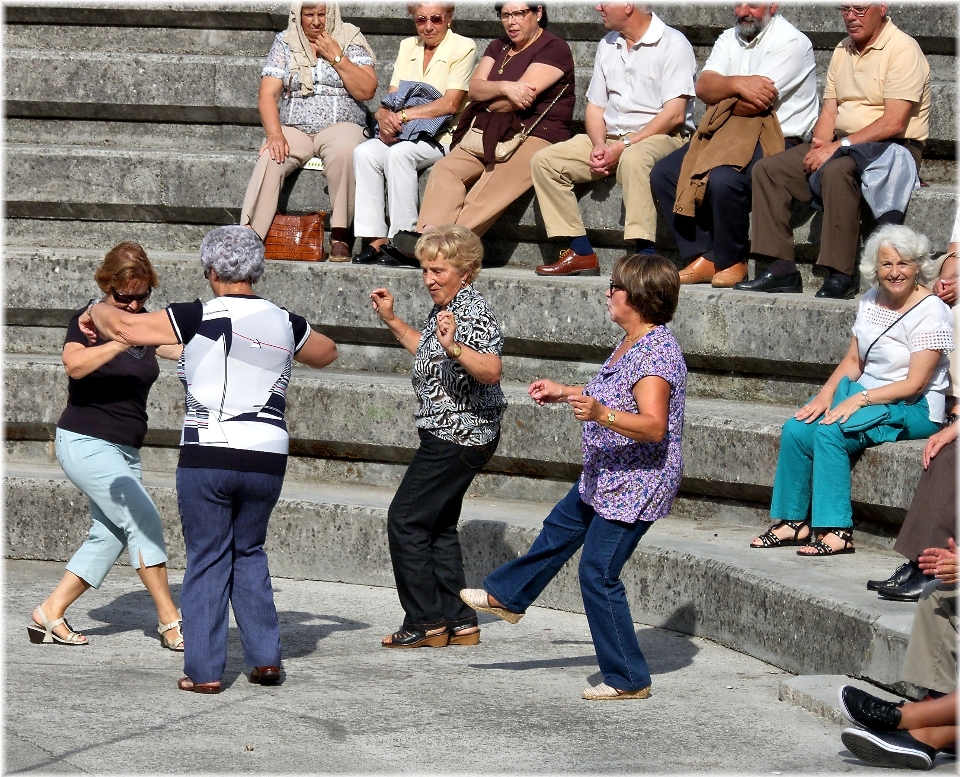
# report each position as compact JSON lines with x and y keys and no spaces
{"x":435,"y":19}
{"x":129,"y":299}
{"x":614,"y":286}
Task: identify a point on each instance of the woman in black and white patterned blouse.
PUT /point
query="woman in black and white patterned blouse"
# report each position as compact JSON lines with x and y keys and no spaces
{"x":456,"y":376}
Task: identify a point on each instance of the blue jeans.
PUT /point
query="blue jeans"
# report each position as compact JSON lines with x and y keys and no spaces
{"x":224,"y":515}
{"x":123,"y":513}
{"x":813,"y":476}
{"x":606,"y":547}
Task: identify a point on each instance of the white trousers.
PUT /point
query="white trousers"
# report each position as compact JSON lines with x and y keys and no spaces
{"x":393,"y":169}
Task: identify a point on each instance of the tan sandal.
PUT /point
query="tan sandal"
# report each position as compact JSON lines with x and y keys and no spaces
{"x":604,"y":692}
{"x":175,"y":645}
{"x":479,"y":600}
{"x":44,"y":634}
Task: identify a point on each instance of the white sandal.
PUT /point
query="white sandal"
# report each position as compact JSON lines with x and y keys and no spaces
{"x":478,"y":599}
{"x":604,"y":692}
{"x":175,"y":645}
{"x":44,"y":634}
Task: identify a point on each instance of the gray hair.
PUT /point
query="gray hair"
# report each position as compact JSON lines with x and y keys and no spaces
{"x":908,"y":244}
{"x":234,"y":253}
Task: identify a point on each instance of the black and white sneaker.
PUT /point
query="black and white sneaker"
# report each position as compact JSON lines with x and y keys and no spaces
{"x":868,"y":711}
{"x":897,"y":750}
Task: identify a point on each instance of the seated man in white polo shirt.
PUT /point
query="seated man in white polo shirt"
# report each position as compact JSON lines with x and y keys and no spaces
{"x":766,"y":63}
{"x":639,"y":108}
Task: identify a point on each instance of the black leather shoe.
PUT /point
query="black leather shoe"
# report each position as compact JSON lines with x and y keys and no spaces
{"x":834,"y":287}
{"x":908,"y":591}
{"x":791,"y":283}
{"x":904,"y":572}
{"x":863,"y":709}
{"x":391,"y":256}
{"x":369,"y":255}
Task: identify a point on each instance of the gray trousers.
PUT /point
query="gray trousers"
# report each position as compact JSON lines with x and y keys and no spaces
{"x":931,"y":659}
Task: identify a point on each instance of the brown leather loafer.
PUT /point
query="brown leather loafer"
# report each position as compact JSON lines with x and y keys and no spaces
{"x":265,"y":675}
{"x":724,"y":279}
{"x":571,"y":263}
{"x":700,"y":270}
{"x":339,"y":251}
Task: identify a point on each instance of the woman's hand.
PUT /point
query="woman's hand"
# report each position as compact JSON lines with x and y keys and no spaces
{"x":815,"y":408}
{"x":382,"y":301}
{"x":844,"y":410}
{"x":520,"y":94}
{"x":446,"y":330}
{"x":586,"y":408}
{"x":325,"y":46}
{"x":936,"y":442}
{"x":276,"y":145}
{"x":390,"y":124}
{"x":87,"y":328}
{"x":546,"y":391}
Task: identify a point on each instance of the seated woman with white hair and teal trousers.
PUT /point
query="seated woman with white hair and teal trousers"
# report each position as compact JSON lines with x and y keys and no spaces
{"x":889,"y":386}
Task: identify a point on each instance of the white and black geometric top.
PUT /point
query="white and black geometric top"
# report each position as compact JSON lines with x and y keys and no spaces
{"x":455,"y":406}
{"x":236,"y":364}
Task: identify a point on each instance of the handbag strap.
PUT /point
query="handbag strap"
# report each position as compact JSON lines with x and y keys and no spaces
{"x":898,"y":320}
{"x":527,"y":130}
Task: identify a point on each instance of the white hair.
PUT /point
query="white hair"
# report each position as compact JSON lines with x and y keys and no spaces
{"x":908,"y":244}
{"x":234,"y":253}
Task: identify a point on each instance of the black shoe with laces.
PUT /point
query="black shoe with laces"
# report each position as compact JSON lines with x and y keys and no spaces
{"x":863,"y":709}
{"x":908,"y":591}
{"x":903,"y":573}
{"x":835,"y":287}
{"x":791,"y":283}
{"x":369,"y":255}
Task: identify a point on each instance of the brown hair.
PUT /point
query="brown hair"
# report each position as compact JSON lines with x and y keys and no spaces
{"x":124,"y":263}
{"x":652,"y":284}
{"x":458,"y":245}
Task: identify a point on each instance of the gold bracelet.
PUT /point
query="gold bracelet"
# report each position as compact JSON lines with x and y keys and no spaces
{"x":403,"y":115}
{"x":400,"y":338}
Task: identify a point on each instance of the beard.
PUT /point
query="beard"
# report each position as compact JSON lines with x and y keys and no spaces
{"x":750,"y":27}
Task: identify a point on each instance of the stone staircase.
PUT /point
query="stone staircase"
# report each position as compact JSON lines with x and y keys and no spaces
{"x":128,"y":124}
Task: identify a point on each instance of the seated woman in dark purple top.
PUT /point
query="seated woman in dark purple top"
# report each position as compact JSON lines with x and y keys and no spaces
{"x":524,"y":78}
{"x":632,"y":415}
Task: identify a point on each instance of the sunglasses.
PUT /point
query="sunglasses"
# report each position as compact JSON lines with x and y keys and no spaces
{"x":435,"y":19}
{"x":129,"y":299}
{"x":857,"y":10}
{"x":614,"y":286}
{"x":516,"y":16}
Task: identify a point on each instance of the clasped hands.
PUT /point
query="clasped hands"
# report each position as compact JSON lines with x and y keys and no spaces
{"x":585,"y":407}
{"x":390,"y":124}
{"x":940,"y":563}
{"x":604,"y":158}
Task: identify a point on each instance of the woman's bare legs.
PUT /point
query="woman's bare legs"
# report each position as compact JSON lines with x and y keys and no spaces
{"x":68,"y":590}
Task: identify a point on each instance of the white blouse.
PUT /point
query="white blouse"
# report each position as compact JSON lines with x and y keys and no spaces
{"x":928,"y":327}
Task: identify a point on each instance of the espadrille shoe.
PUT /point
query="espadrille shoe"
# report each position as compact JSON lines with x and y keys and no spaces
{"x":479,"y":600}
{"x":604,"y":692}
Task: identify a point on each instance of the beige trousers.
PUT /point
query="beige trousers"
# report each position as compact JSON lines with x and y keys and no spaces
{"x":334,"y":145}
{"x":461,"y":190}
{"x":557,"y":169}
{"x":931,"y":659}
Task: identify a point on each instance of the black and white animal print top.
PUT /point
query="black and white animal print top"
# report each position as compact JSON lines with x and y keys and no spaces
{"x":454,"y":405}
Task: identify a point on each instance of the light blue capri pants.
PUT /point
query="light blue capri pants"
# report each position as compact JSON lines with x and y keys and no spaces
{"x":123,"y":513}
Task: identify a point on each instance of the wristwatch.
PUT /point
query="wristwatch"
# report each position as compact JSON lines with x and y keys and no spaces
{"x":337,"y":59}
{"x":626,"y":141}
{"x":457,"y":350}
{"x":611,"y":419}
{"x":845,"y":142}
{"x":403,"y":115}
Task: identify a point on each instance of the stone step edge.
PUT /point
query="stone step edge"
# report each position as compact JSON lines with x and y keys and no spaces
{"x":818,"y":694}
{"x":687,"y":586}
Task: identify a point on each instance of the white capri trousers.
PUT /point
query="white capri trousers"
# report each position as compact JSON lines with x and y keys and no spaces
{"x":123,"y":513}
{"x":378,"y":167}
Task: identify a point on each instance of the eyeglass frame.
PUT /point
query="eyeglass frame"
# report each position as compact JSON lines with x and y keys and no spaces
{"x":436,"y":19}
{"x":857,"y":10}
{"x":129,"y":299}
{"x":614,"y":286}
{"x":517,"y":16}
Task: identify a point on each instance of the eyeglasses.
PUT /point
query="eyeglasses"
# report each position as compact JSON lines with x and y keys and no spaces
{"x":435,"y":19}
{"x":614,"y":286}
{"x":129,"y":299}
{"x":516,"y":16}
{"x":857,"y":10}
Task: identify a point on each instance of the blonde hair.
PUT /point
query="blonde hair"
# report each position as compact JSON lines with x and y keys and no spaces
{"x":458,"y":245}
{"x":124,"y":263}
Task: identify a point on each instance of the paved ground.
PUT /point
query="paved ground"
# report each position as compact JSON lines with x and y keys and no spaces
{"x":509,"y":705}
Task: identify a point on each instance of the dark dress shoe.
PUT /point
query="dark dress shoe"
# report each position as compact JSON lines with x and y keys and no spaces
{"x":391,"y":256}
{"x":571,"y":263}
{"x":790,"y":283}
{"x":908,"y":591}
{"x":369,"y":255}
{"x":835,"y":287}
{"x":265,"y":675}
{"x":904,"y":572}
{"x":868,"y":711}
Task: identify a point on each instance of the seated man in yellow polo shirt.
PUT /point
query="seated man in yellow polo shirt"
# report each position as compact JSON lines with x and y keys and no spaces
{"x":877,"y":90}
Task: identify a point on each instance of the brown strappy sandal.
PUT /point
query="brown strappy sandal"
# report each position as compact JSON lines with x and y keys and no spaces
{"x":822,"y":549}
{"x":770,"y":540}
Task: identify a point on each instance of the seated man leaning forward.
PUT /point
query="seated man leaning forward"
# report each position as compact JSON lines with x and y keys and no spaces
{"x":639,"y":107}
{"x":877,"y":91}
{"x":765,"y":64}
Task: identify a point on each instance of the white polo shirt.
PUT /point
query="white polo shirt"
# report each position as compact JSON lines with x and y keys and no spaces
{"x":632,"y":83}
{"x":784,"y":55}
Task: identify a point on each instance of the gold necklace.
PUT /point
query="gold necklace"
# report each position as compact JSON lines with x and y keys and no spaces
{"x":509,"y":54}
{"x":650,"y":328}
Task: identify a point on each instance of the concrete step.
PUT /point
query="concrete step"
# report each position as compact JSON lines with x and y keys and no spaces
{"x":819,"y":694}
{"x":800,"y":614}
{"x":729,"y":448}
{"x":206,"y":187}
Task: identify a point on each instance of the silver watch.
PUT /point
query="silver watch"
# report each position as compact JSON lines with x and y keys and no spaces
{"x":845,"y":142}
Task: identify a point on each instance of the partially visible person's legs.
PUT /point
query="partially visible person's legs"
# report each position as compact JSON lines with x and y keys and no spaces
{"x":841,"y":215}
{"x":729,"y":198}
{"x":692,"y":236}
{"x":931,"y":519}
{"x":370,"y":205}
{"x":263,"y":191}
{"x":335,"y":145}
{"x":405,"y":160}
{"x":633,"y":175}
{"x":777,"y":181}
{"x":554,"y":171}
{"x":607,"y":547}
{"x":446,"y":190}
{"x":931,"y":658}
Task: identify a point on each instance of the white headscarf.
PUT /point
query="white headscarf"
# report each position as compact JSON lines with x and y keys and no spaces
{"x":303,"y":59}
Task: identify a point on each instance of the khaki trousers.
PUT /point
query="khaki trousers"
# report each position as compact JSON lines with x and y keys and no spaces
{"x":558,"y":168}
{"x":931,"y":659}
{"x":334,"y":145}
{"x":462,"y":190}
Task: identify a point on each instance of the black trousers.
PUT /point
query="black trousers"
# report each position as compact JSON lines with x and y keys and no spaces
{"x":422,"y":529}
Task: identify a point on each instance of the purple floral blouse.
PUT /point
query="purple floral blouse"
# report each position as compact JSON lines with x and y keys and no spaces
{"x":625,"y":480}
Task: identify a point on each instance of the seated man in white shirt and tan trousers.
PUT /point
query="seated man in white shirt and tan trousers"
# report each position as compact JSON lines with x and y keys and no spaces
{"x":639,"y":109}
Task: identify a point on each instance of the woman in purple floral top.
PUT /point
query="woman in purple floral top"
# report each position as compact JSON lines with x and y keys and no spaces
{"x":632,"y":415}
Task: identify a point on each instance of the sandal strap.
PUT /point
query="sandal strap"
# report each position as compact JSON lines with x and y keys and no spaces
{"x":163,"y":628}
